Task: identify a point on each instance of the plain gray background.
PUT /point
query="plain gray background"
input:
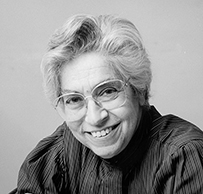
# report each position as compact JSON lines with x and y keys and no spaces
{"x":172,"y":31}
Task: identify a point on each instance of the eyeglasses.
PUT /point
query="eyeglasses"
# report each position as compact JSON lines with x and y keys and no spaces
{"x":108,"y":95}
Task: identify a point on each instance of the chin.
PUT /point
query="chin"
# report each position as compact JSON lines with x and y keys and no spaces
{"x":107,"y":152}
{"x":106,"y":155}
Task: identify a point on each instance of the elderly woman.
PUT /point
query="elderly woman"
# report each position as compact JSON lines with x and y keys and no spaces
{"x":97,"y":76}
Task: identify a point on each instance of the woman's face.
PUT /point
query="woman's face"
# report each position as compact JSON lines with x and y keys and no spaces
{"x":117,"y":126}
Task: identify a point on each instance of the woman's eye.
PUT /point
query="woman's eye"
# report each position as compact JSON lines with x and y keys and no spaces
{"x":73,"y":100}
{"x":108,"y":91}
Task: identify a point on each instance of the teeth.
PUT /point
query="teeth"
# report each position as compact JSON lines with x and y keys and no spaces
{"x":101,"y":133}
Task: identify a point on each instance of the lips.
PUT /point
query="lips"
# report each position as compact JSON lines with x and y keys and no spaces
{"x":103,"y":132}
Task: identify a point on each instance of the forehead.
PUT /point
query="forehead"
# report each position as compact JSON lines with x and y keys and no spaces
{"x":85,"y":72}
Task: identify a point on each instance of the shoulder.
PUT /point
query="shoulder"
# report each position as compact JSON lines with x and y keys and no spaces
{"x":43,"y":163}
{"x":177,"y":131}
{"x":171,"y":134}
{"x":177,"y":153}
{"x":49,"y":145}
{"x":55,"y":152}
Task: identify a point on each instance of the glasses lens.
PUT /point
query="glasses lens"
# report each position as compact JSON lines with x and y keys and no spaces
{"x":110,"y":94}
{"x":71,"y":105}
{"x":73,"y":101}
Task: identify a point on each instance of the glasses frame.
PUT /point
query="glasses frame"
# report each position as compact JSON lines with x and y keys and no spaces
{"x":125,"y":84}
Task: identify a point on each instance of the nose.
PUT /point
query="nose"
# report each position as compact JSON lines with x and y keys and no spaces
{"x":95,"y":115}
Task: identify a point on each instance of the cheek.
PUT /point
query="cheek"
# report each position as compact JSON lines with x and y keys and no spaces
{"x":74,"y":127}
{"x":131,"y":116}
{"x":131,"y":110}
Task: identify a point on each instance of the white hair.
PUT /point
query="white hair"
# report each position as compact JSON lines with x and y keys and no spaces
{"x":115,"y":38}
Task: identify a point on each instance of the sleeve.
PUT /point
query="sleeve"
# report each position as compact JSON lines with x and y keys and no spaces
{"x":182,"y":171}
{"x":42,"y":172}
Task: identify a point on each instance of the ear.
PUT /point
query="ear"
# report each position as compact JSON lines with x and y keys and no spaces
{"x":141,"y":100}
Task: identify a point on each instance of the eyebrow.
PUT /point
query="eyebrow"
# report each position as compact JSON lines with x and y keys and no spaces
{"x":67,"y":91}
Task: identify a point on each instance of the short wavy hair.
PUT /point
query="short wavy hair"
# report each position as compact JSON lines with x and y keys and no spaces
{"x":115,"y":38}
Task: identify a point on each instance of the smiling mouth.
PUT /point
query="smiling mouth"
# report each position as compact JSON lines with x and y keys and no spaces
{"x":104,"y":132}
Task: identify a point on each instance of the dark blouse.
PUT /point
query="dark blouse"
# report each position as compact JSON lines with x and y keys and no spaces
{"x":165,"y":155}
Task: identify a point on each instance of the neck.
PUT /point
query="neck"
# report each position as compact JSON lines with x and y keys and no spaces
{"x":137,"y":146}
